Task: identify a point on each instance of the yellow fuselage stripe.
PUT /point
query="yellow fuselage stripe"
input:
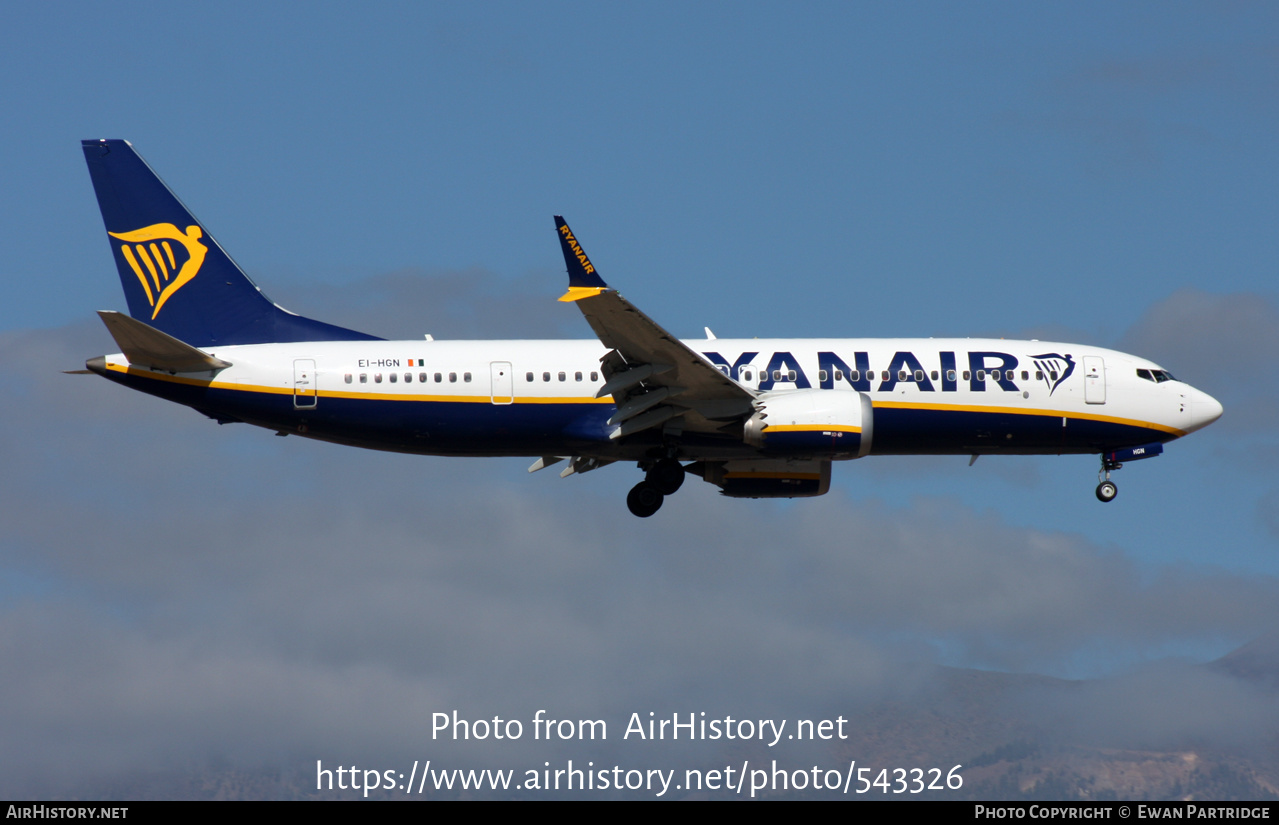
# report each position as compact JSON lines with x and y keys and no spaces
{"x":811,"y":428}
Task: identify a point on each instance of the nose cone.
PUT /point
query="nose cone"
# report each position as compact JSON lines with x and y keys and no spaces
{"x":1202,"y":408}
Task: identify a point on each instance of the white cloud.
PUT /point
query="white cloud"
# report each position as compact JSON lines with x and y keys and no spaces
{"x":186,"y":591}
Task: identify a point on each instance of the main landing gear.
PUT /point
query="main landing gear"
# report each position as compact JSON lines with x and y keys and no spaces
{"x":1107,"y":489}
{"x":661,"y":480}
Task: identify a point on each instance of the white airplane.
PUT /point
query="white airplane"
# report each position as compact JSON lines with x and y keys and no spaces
{"x":758,"y":418}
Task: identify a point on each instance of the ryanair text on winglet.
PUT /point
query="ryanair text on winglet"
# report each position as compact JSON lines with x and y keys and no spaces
{"x":577,"y":249}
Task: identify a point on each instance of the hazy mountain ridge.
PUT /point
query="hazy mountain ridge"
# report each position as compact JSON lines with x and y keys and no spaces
{"x":1016,"y":736}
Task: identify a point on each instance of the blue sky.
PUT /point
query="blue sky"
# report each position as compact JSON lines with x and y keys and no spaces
{"x":1094,"y":173}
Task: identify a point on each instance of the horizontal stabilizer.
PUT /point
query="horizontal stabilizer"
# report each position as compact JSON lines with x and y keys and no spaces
{"x":146,"y":346}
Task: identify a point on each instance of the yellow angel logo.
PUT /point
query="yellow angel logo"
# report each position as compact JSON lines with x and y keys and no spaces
{"x":149,"y":248}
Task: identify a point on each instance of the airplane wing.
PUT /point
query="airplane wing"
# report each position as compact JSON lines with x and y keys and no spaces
{"x":656,"y":380}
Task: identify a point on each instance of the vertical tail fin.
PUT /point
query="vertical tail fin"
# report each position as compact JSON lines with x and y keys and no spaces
{"x":176,"y":277}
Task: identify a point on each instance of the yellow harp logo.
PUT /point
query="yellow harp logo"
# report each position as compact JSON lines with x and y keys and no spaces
{"x":149,"y":251}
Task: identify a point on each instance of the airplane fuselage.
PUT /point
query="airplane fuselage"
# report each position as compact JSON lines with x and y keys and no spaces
{"x":532,"y":398}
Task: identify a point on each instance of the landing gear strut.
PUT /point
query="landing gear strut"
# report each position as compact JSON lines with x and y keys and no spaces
{"x":666,"y":475}
{"x":1107,"y":490}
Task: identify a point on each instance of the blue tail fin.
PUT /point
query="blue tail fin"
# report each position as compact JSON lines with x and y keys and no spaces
{"x":176,"y":277}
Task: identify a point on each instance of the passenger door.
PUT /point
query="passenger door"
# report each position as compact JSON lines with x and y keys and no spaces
{"x":503,"y":388}
{"x":1094,"y":379}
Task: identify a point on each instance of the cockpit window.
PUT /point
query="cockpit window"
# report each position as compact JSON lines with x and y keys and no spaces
{"x":1158,"y":376}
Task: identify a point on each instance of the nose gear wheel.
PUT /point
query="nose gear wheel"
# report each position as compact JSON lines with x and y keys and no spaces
{"x":1107,"y":489}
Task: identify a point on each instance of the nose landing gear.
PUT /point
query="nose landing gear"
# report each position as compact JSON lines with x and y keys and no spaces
{"x":1107,"y":489}
{"x":1110,"y":461}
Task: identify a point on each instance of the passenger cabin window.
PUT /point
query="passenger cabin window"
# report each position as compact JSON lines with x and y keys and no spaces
{"x":561,"y":376}
{"x":394,"y":378}
{"x":364,"y":378}
{"x":839,"y":375}
{"x":981,"y":375}
{"x":546,"y":376}
{"x":1025,"y":376}
{"x":377,"y":378}
{"x":421,"y":377}
{"x":595,"y":376}
{"x":746,"y":375}
{"x":577,"y":376}
{"x":919,"y":375}
{"x":821,"y":376}
{"x":528,"y":376}
{"x":452,"y":377}
{"x":790,"y":375}
{"x":856,"y":375}
{"x":348,"y":378}
{"x":950,"y":375}
{"x":466,"y":376}
{"x":1039,"y":375}
{"x":438,"y":378}
{"x":934,"y":375}
{"x":884,"y":375}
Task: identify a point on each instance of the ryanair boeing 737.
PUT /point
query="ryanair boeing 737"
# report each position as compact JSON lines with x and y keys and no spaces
{"x":757,"y":418}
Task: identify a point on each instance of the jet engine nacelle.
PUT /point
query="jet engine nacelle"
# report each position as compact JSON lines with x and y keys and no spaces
{"x":834,"y":423}
{"x":769,"y":477}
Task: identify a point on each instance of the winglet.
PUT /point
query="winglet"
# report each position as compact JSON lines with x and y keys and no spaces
{"x":583,"y":280}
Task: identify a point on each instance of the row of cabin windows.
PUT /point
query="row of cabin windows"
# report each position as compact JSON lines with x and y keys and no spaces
{"x":422,"y":377}
{"x":748,"y":376}
{"x":563,"y":376}
{"x":902,"y":375}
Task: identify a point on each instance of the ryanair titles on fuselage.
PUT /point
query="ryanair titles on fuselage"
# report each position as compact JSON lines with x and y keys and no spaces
{"x":1001,"y":368}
